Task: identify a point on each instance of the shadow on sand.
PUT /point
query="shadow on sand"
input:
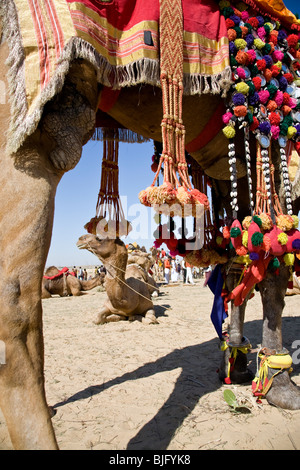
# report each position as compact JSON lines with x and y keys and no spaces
{"x":195,"y":381}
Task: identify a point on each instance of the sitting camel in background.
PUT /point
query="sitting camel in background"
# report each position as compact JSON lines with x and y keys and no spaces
{"x":146,"y":263}
{"x":128,"y":295}
{"x":64,"y":284}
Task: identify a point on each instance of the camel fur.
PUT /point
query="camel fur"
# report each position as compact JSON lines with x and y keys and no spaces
{"x":29,"y":176}
{"x":128,"y":295}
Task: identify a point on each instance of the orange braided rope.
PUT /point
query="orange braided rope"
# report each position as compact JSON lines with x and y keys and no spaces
{"x":176,"y":188}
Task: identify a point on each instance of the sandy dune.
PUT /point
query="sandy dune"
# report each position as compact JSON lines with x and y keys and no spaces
{"x":130,"y":386}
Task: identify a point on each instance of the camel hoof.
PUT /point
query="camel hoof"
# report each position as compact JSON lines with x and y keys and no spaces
{"x":284,"y":393}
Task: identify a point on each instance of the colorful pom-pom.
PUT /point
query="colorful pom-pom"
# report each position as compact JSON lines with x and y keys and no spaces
{"x":289,"y":259}
{"x":229,"y":132}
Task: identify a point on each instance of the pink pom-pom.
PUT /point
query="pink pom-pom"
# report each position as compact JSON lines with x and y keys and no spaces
{"x":264,"y":95}
{"x":241,"y":73}
{"x":275,"y":130}
{"x":261,"y":32}
{"x":227,"y":117}
{"x":278,"y":98}
{"x":245,"y":16}
{"x":293,"y":102}
{"x":277,"y":55}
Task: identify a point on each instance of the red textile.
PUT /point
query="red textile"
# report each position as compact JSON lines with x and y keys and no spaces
{"x":60,"y":273}
{"x":200,"y":16}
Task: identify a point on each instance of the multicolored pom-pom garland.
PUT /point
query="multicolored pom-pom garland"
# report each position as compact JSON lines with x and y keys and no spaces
{"x":265,"y":60}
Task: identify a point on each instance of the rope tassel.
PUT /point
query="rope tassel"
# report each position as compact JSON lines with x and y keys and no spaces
{"x":109,"y":221}
{"x":176,"y":190}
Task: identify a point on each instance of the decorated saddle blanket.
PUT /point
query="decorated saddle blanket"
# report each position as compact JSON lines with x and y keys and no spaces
{"x":119,"y":37}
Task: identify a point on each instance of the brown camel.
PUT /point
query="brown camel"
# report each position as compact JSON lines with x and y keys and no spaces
{"x":146,"y":262}
{"x":128,"y":293}
{"x":65,"y":284}
{"x":41,"y":139}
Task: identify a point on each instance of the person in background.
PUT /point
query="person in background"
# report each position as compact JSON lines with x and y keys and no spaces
{"x":189,"y":276}
{"x":75,"y":271}
{"x":183,"y":267}
{"x":80,"y":274}
{"x":167,"y":265}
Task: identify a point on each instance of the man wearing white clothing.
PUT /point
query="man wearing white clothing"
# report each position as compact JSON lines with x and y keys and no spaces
{"x":189,"y":276}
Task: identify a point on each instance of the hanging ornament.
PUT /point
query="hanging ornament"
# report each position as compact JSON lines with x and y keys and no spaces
{"x":176,"y":190}
{"x":109,"y":221}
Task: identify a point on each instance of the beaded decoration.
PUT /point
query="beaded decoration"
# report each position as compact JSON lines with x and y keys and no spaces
{"x":265,"y":60}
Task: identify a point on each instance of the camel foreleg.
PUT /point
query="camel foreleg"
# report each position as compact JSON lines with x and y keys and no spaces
{"x":26,"y":212}
{"x":234,"y":361}
{"x":282,"y":392}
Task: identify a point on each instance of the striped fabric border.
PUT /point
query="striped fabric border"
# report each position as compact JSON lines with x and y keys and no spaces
{"x":201,"y":55}
{"x":44,"y":36}
{"x":43,"y":41}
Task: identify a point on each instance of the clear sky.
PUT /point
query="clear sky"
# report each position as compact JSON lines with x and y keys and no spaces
{"x":77,"y":193}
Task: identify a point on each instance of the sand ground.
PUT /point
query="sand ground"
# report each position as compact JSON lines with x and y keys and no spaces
{"x":131,"y":386}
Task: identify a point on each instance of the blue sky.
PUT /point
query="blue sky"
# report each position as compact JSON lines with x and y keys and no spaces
{"x":77,"y":193}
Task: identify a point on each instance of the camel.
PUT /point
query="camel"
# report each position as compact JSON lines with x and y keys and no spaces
{"x":64,"y":284}
{"x":127,"y":288}
{"x":146,"y":262}
{"x":43,"y":131}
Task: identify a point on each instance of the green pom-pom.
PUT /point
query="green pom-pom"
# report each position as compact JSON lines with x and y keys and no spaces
{"x":249,"y":117}
{"x":272,"y":89}
{"x":267,"y":28}
{"x":266,"y":49}
{"x":227,"y":11}
{"x":238,"y":31}
{"x":235,"y":232}
{"x":274,"y":263}
{"x":251,"y":87}
{"x":254,"y":70}
{"x":233,"y":61}
{"x":257,"y":239}
{"x":257,"y":220}
{"x":248,"y":25}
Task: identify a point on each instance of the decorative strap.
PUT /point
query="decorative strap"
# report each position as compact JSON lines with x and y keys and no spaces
{"x":261,"y":384}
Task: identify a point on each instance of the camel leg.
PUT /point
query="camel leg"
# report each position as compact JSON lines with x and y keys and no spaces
{"x":27,"y":195}
{"x":105,"y":316}
{"x":283,"y":392}
{"x":239,"y":372}
{"x":150,"y":318}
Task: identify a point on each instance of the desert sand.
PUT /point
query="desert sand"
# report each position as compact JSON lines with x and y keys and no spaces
{"x":131,"y":386}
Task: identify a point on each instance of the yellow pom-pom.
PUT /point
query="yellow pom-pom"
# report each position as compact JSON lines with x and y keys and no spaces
{"x":242,"y":87}
{"x":270,"y":26}
{"x":291,"y":132}
{"x":258,"y":43}
{"x":289,"y":259}
{"x":296,"y":221}
{"x":282,"y":238}
{"x":240,"y":43}
{"x":266,"y":221}
{"x":245,"y":238}
{"x":224,"y":4}
{"x":229,"y":132}
{"x":278,"y":64}
{"x":219,"y":240}
{"x":246,"y":222}
{"x":285,"y":222}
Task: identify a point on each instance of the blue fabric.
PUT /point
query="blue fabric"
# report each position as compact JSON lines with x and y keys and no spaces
{"x":218,"y":314}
